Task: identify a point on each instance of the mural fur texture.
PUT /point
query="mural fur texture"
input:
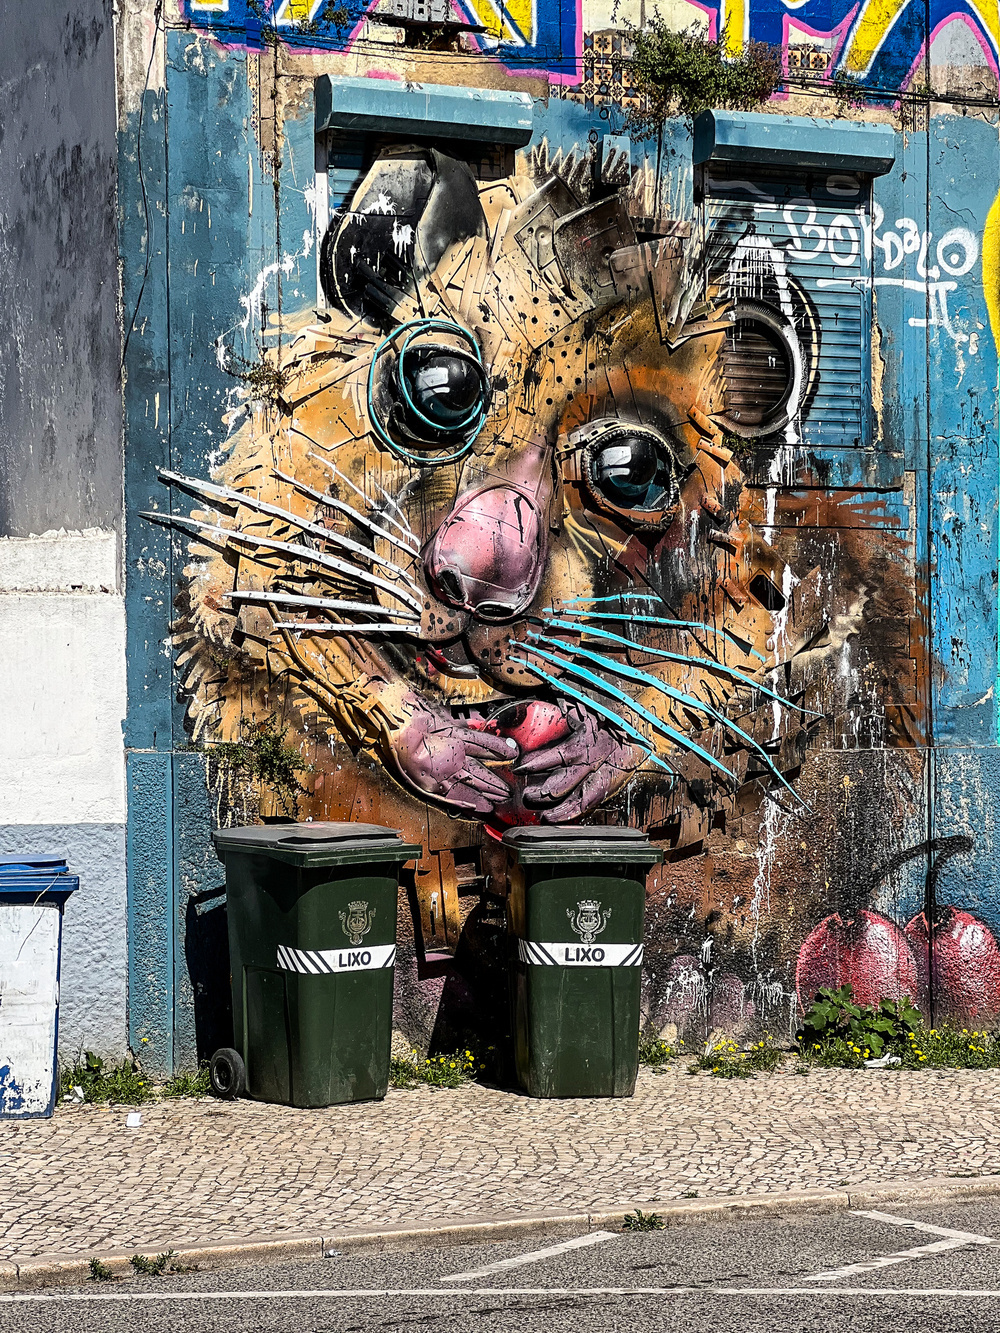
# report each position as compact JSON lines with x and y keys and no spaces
{"x":522,"y":528}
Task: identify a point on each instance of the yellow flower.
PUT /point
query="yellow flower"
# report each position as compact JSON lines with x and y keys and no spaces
{"x":452,"y":1065}
{"x":145,"y":1039}
{"x":923,"y":1057}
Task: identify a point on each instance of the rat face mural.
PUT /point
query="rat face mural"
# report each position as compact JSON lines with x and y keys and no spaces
{"x":527,"y":527}
{"x":493,"y":523}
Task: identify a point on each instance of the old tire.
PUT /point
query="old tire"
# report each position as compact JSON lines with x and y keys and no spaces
{"x":227,"y":1074}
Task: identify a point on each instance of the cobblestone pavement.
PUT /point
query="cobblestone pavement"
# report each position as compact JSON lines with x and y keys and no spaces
{"x":199,"y":1170}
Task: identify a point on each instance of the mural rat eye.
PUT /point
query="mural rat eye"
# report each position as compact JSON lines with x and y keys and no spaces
{"x":428,"y":394}
{"x":625,"y":469}
{"x":444,"y":386}
{"x":630,"y":470}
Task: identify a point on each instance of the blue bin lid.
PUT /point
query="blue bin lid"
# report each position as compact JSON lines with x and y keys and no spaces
{"x":36,"y":879}
{"x":39,"y":865}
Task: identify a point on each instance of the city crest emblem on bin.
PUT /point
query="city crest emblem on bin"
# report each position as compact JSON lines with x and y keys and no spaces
{"x":357,"y":921}
{"x":588,"y":920}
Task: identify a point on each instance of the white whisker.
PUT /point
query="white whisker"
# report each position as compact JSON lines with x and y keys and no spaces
{"x":331,"y":627}
{"x":407,"y":531}
{"x":344,"y":508}
{"x":286,"y":516}
{"x":297,"y":552}
{"x":325,"y":603}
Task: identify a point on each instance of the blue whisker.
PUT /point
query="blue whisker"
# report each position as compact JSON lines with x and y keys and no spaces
{"x":643,"y":678}
{"x":703,"y":663}
{"x":657,"y":620}
{"x":585,"y":699}
{"x":606,"y":687}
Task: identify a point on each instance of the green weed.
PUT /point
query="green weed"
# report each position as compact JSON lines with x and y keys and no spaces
{"x":838,"y":1033}
{"x":640,"y":1221}
{"x":727,"y":1059}
{"x":153,"y":1267}
{"x":100,"y":1272}
{"x":124,"y":1084}
{"x":440,"y":1071}
{"x":654,"y":1051}
{"x":188,"y":1085}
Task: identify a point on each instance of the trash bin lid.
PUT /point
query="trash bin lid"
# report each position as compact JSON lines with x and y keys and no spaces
{"x":36,"y":879}
{"x":28,"y":865}
{"x":575,"y":832}
{"x":316,"y":843}
{"x":582,"y":842}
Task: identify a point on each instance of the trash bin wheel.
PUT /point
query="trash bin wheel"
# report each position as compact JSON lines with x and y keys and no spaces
{"x":227,"y":1074}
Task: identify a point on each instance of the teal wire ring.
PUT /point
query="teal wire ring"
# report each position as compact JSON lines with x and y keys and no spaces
{"x":472,"y":422}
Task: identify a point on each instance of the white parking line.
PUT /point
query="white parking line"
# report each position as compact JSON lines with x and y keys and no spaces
{"x":534,"y":1256}
{"x":383,"y":1293}
{"x":953,"y":1240}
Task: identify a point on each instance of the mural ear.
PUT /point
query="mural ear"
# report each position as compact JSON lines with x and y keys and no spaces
{"x":411,"y":207}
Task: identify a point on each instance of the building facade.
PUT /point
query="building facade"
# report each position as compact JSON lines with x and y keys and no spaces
{"x":488,"y":463}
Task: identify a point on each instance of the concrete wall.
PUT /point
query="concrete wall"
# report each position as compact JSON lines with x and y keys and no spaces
{"x":61,"y":598}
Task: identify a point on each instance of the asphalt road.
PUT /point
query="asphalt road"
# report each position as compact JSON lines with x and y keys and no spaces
{"x":771,"y":1274}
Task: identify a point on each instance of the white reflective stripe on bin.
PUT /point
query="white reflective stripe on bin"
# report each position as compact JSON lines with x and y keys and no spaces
{"x":315,"y":962}
{"x":579,"y":955}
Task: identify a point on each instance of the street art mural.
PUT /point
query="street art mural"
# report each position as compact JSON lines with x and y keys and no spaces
{"x":577,"y":490}
{"x":530,"y":527}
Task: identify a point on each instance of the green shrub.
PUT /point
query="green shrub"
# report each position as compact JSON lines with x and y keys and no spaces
{"x":100,"y":1272}
{"x":683,"y":73}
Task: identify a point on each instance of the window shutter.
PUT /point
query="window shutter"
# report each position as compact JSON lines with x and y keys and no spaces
{"x":793,"y":253}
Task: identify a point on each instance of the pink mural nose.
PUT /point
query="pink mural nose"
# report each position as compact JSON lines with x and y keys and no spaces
{"x":486,"y":557}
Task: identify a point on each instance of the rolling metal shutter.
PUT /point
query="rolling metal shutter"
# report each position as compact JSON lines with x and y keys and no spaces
{"x":793,"y":253}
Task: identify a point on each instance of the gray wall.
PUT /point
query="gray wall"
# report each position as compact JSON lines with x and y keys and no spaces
{"x":60,"y":399}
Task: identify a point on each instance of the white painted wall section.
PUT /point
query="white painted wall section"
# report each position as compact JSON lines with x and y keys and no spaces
{"x":62,"y":668}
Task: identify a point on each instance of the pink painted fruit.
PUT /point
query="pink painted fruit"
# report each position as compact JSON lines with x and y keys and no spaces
{"x":966,"y":964}
{"x":869,"y":951}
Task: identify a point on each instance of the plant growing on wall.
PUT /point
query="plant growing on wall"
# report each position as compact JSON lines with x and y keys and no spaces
{"x":684,"y":73}
{"x":262,"y":755}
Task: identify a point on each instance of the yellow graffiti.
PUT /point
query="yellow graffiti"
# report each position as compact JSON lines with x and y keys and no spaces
{"x":991,"y":267}
{"x":296,"y":11}
{"x":869,"y":33}
{"x":735,"y":24}
{"x":877,"y":19}
{"x":513,"y":22}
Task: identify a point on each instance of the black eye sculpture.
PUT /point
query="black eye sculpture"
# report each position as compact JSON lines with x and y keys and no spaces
{"x":424,"y":395}
{"x":631,"y":470}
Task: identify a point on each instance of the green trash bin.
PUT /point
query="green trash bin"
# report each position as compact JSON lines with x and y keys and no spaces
{"x":312,"y":941}
{"x":576,"y":904}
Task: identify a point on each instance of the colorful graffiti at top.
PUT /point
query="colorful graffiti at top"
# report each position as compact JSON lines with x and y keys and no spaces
{"x":878,"y":42}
